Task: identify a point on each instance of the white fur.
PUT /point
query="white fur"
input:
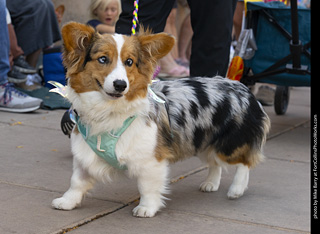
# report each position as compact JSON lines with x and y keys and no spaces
{"x":119,"y":73}
{"x":240,"y":182}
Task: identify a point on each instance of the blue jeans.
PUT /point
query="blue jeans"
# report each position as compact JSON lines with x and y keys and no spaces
{"x":4,"y":44}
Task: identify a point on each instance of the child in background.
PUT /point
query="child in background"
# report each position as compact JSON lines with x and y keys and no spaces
{"x":105,"y":14}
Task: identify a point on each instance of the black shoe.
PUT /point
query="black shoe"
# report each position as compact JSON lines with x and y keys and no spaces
{"x":14,"y":76}
{"x":22,"y":66}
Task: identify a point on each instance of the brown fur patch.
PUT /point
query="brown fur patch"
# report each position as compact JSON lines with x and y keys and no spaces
{"x":169,"y":145}
{"x":77,"y":38}
{"x":163,"y":153}
{"x":171,"y":148}
{"x":87,"y":80}
{"x":144,"y":49}
{"x":76,"y":130}
{"x":244,"y":155}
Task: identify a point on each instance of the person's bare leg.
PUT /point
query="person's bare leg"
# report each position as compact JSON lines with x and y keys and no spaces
{"x":237,"y":19}
{"x":32,"y":58}
{"x":171,"y":29}
{"x":185,"y":37}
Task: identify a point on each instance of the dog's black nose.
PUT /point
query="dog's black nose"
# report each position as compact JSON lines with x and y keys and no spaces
{"x":119,"y":85}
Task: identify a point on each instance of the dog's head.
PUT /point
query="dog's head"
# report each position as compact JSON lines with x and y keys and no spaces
{"x":116,"y":66}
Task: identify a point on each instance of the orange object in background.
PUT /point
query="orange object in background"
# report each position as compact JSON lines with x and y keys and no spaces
{"x":235,"y":69}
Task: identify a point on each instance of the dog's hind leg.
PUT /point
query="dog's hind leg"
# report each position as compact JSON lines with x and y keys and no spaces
{"x":212,"y":181}
{"x":81,"y":182}
{"x":240,"y":182}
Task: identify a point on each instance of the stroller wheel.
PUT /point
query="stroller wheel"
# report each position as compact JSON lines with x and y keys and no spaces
{"x":281,"y":99}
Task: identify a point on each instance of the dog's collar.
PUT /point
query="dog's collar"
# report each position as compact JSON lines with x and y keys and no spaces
{"x":154,"y":96}
{"x":104,"y":144}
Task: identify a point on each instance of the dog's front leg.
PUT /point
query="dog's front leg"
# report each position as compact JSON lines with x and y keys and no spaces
{"x":152,"y":183}
{"x":81,"y":182}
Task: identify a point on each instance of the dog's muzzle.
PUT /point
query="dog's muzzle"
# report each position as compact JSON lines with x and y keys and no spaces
{"x":119,"y":85}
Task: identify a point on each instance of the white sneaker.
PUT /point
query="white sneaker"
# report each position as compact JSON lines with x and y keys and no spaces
{"x":13,"y":100}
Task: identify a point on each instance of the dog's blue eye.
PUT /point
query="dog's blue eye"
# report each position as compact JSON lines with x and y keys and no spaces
{"x":103,"y":60}
{"x":128,"y":62}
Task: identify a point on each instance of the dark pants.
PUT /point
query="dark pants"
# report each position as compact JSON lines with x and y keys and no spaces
{"x":211,"y":23}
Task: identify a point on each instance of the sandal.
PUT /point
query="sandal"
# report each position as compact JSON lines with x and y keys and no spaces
{"x":176,"y":72}
{"x":182,"y":62}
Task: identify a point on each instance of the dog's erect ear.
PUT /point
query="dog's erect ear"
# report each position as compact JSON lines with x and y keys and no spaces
{"x":77,"y":40}
{"x":156,"y":45}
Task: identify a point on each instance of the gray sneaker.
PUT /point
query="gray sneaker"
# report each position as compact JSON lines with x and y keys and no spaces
{"x":22,"y":66}
{"x":12,"y":100}
{"x":15,"y":76}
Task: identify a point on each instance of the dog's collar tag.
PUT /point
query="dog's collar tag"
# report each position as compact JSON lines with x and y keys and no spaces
{"x":154,"y":96}
{"x":59,"y":88}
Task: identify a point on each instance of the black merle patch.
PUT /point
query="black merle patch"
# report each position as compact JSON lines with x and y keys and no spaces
{"x":165,"y":90}
{"x":181,"y":118}
{"x":198,"y":137}
{"x":231,"y":135}
{"x":194,"y":110}
{"x":200,"y":92}
{"x":222,"y":112}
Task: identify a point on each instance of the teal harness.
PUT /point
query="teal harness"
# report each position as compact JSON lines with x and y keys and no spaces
{"x":104,"y":145}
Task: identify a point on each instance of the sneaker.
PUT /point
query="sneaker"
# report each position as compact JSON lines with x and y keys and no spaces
{"x":15,"y":76}
{"x":22,"y":66}
{"x":12,"y":100}
{"x":33,"y":82}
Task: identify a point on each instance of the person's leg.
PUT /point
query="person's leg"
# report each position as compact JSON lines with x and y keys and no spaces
{"x":32,"y":58}
{"x":14,"y":47}
{"x":185,"y":39}
{"x":38,"y":17}
{"x":4,"y":44}
{"x":212,"y":26}
{"x":152,"y":14}
{"x":17,"y":58}
{"x":172,"y":29}
{"x":11,"y":99}
{"x":237,"y":18}
{"x":169,"y":66}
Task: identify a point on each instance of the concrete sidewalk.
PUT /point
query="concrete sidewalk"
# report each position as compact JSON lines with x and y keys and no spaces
{"x":36,"y":166}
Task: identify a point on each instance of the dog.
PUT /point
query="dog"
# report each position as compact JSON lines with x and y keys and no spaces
{"x":215,"y":119}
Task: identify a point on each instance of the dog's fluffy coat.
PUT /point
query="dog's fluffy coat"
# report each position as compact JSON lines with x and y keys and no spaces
{"x":216,"y":119}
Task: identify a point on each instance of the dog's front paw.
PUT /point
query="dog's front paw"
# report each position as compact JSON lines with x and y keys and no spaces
{"x":209,"y":187}
{"x":144,"y":212}
{"x":236,"y":191}
{"x":63,"y":204}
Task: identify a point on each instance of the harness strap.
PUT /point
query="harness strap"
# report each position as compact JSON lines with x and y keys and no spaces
{"x":104,"y":144}
{"x":124,"y":127}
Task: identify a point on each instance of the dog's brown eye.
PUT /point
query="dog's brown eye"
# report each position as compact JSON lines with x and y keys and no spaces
{"x":128,"y":62}
{"x":103,"y":60}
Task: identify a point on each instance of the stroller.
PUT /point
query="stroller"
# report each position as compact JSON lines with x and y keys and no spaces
{"x":283,"y":41}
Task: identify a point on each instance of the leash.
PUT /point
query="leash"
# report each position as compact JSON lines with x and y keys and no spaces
{"x":135,"y":20}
